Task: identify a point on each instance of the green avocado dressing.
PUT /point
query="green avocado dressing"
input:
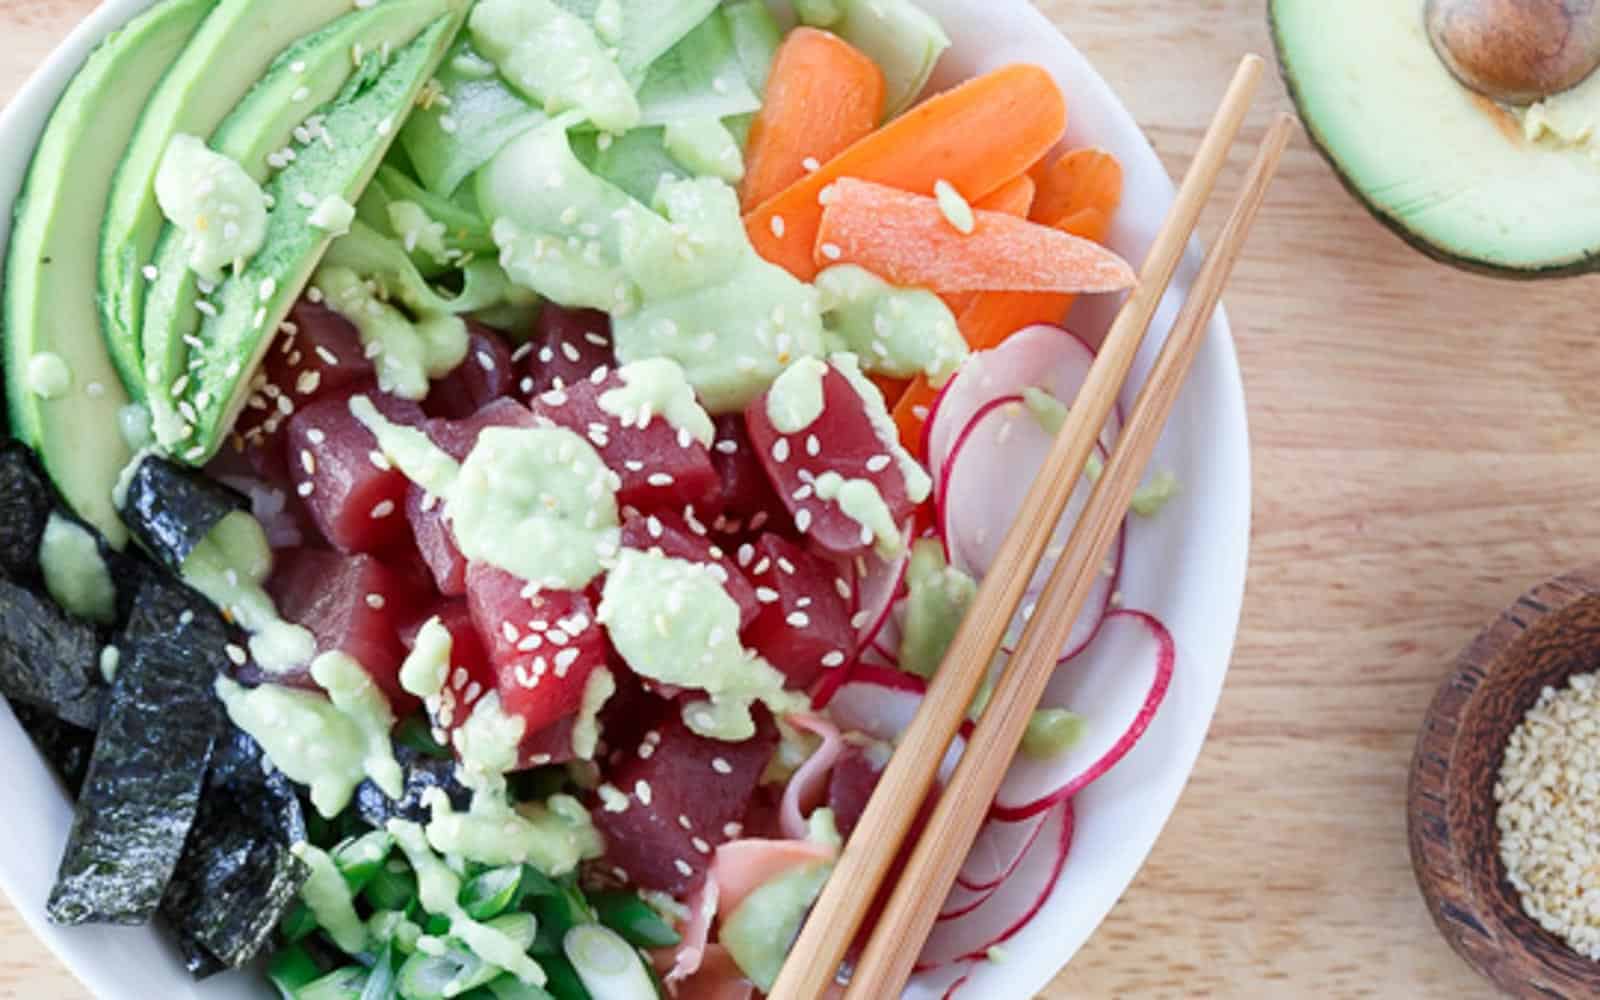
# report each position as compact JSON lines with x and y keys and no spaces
{"x":74,"y":572}
{"x":674,"y":623}
{"x":305,"y":736}
{"x":758,"y":934}
{"x":597,"y":690}
{"x":795,"y":400}
{"x":901,"y":332}
{"x":860,"y":501}
{"x":352,"y":692}
{"x":230,"y":567}
{"x":705,"y":146}
{"x":556,"y":59}
{"x":658,"y":387}
{"x":937,"y":600}
{"x":537,"y":502}
{"x":214,"y":202}
{"x":328,"y":897}
{"x":427,"y":666}
{"x":1052,"y":732}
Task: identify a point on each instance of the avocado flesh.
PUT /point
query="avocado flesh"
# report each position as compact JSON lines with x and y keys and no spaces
{"x":50,"y":277}
{"x":234,"y":341}
{"x":315,"y":69}
{"x":1452,"y":172}
{"x":232,"y":50}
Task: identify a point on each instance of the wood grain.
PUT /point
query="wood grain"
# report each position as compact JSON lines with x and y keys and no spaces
{"x":1548,"y":635}
{"x":1426,"y":448}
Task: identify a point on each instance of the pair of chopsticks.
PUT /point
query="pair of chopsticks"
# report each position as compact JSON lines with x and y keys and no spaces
{"x":892,"y":950}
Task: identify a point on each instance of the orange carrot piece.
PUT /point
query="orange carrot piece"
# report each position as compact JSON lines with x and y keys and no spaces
{"x":1013,"y":199}
{"x":1079,"y":180}
{"x":822,"y":96}
{"x":978,"y":137}
{"x":991,"y":317}
{"x":906,"y":239}
{"x":892,"y":388}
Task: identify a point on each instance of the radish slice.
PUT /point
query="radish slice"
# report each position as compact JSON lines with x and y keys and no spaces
{"x":881,"y":703}
{"x":943,"y":983}
{"x":997,"y":852}
{"x":809,"y":785}
{"x":987,"y":482}
{"x":963,"y":901}
{"x":696,"y":933}
{"x":995,"y":921}
{"x":877,"y":584}
{"x":1044,"y":357}
{"x":1117,"y":685}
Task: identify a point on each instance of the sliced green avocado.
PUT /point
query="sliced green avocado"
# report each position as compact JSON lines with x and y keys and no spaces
{"x":305,"y":77}
{"x":252,"y":303}
{"x":1466,"y":180}
{"x":233,"y":48}
{"x":49,"y":296}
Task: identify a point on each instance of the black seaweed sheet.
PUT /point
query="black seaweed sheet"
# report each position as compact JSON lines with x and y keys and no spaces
{"x":422,"y":772}
{"x":26,"y":499}
{"x":48,"y":659}
{"x":149,"y":764}
{"x":170,"y":509}
{"x":65,"y":747}
{"x":237,"y":878}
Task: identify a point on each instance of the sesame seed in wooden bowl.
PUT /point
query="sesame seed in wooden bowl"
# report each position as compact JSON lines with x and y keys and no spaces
{"x":1548,"y":636}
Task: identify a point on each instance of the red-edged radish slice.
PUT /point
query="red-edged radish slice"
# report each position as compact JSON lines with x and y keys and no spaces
{"x":987,"y":482}
{"x":1038,"y":357}
{"x":944,"y":983}
{"x":997,"y":852}
{"x":808,"y":787}
{"x":1117,"y":685}
{"x":963,"y":901}
{"x":881,"y":703}
{"x":877,"y":584}
{"x":970,"y":936}
{"x":696,"y":932}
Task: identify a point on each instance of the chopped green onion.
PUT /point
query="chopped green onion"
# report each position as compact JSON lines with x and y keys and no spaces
{"x":609,"y":966}
{"x":299,"y":924}
{"x":343,"y":984}
{"x":456,"y":969}
{"x":511,"y":988}
{"x":359,"y":859}
{"x":564,"y":982}
{"x":635,"y":920}
{"x":491,"y":893}
{"x":292,"y":969}
{"x":380,"y":982}
{"x":415,"y":733}
{"x":393,"y":887}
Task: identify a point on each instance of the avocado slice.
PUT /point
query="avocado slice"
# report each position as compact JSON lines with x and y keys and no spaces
{"x":305,"y":77}
{"x":1468,"y":181}
{"x":49,"y":295}
{"x":232,"y":50}
{"x":251,"y":304}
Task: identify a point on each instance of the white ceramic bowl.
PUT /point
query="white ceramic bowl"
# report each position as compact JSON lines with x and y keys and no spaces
{"x":1186,"y":566}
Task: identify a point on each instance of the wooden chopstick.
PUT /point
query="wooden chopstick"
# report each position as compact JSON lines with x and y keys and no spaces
{"x":906,"y":921}
{"x":863,"y":866}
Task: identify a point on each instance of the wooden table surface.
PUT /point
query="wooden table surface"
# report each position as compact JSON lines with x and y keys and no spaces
{"x":1425,"y":450}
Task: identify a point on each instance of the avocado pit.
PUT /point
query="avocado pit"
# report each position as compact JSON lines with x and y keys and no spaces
{"x":1516,"y":51}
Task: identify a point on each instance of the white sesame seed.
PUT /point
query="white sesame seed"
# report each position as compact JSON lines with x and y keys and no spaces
{"x":382,"y":509}
{"x":780,"y":450}
{"x":237,"y":654}
{"x":683,"y":867}
{"x":721,"y":766}
{"x":833,"y":659}
{"x":831,"y":251}
{"x":642,"y":791}
{"x":778,"y":226}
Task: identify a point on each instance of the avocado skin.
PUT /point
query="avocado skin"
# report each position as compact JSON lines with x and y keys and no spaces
{"x":1324,"y":147}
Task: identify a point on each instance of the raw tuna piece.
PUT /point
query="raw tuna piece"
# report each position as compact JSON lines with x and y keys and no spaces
{"x":316,"y":352}
{"x":661,"y":468}
{"x":854,"y":779}
{"x":426,"y":515}
{"x":745,"y":500}
{"x":842,"y":440}
{"x":471,"y":675}
{"x":672,"y":537}
{"x":566,"y":348}
{"x":683,"y":792}
{"x":356,"y":500}
{"x":543,"y":644}
{"x":485,"y":376}
{"x":803,"y":627}
{"x":354,"y":604}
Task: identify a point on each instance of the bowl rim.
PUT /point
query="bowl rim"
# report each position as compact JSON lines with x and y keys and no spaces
{"x":108,"y":960}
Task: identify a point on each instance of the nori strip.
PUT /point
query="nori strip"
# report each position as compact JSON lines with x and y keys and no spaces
{"x":48,"y":659}
{"x":65,"y":747}
{"x":170,"y":509}
{"x":423,"y":772}
{"x":149,"y":765}
{"x":236,"y":879}
{"x":26,"y":500}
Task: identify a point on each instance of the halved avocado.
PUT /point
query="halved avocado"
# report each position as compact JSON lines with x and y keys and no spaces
{"x":230,"y":53}
{"x":50,"y":275}
{"x":303,"y":79}
{"x":1466,"y":180}
{"x":252,"y":303}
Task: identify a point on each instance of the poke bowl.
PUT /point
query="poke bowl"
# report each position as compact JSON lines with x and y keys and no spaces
{"x":185,"y":733}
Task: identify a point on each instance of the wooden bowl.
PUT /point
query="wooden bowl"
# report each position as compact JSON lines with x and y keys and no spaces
{"x":1549,"y":634}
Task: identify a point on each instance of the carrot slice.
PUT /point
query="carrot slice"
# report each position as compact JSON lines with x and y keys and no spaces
{"x":978,"y":137}
{"x":907,"y":240}
{"x":1080,"y":180}
{"x":991,"y":317}
{"x":892,"y":388}
{"x":1013,"y":199}
{"x":822,"y":96}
